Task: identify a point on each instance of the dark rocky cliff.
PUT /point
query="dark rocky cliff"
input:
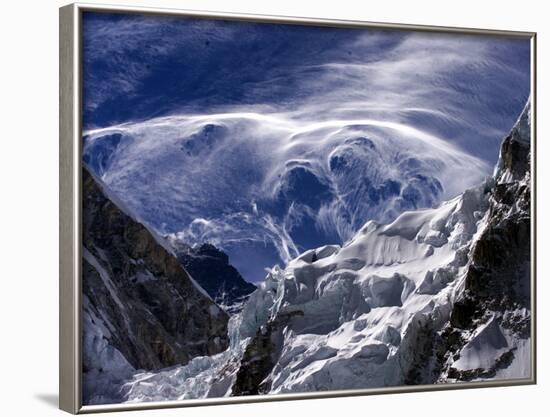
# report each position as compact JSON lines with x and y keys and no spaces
{"x":210,"y":267}
{"x":148,"y":307}
{"x":497,"y":284}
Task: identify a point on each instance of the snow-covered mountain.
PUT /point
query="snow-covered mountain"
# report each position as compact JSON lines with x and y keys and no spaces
{"x":349,"y":166}
{"x":438,"y":295}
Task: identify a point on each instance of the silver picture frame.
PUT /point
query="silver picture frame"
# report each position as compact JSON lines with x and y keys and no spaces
{"x":70,"y":212}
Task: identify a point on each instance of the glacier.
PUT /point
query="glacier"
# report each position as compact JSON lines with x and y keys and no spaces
{"x":422,"y":299}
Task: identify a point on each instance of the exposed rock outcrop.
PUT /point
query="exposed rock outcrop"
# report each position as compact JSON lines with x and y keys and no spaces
{"x":138,"y":299}
{"x":260,"y":355}
{"x":497,"y":284}
{"x":210,"y":267}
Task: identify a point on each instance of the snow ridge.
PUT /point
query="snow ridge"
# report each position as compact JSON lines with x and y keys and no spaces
{"x":370,"y":313}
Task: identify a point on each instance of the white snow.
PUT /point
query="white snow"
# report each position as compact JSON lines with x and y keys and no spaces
{"x":521,"y":365}
{"x":356,"y":312}
{"x":202,"y":377}
{"x":105,"y":367}
{"x":487,"y":344}
{"x":362,"y":305}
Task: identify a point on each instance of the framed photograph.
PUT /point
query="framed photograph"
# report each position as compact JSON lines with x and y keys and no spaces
{"x":259,"y":208}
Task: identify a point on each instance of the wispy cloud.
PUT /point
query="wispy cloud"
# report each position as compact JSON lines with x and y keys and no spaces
{"x":221,"y":123}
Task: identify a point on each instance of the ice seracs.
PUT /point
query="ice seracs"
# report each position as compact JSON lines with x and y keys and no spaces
{"x":420,"y":300}
{"x":355,"y":313}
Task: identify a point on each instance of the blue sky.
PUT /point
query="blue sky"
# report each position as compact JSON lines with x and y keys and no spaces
{"x":137,"y":67}
{"x":269,"y":139}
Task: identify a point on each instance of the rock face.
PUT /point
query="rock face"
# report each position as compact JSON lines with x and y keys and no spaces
{"x":497,"y":284}
{"x":259,"y":357}
{"x":142,"y":310}
{"x":210,"y":267}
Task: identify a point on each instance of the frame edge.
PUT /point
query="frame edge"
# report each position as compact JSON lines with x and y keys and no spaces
{"x":534,"y":208}
{"x":295,"y":20}
{"x":70,"y":69}
{"x":69,"y":396}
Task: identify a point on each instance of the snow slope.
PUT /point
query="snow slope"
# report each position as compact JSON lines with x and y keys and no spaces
{"x":360,"y":305}
{"x":383,"y":309}
{"x":364,"y":304}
